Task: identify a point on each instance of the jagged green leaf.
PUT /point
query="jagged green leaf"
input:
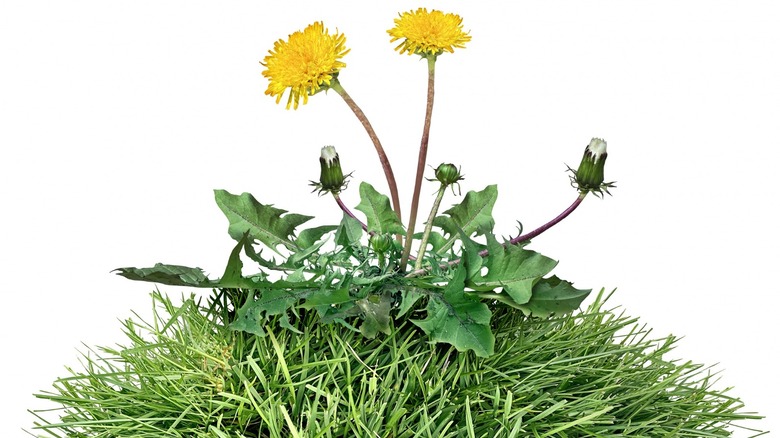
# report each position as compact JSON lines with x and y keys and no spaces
{"x":364,"y":281}
{"x":284,"y":322}
{"x":512,"y":268}
{"x":375,"y":310}
{"x":458,"y":319}
{"x":233,"y":276}
{"x":277,"y":301}
{"x":173,"y":275}
{"x":253,"y":315}
{"x":265,"y":223}
{"x":349,"y":232}
{"x":256,"y":256}
{"x":435,"y":241}
{"x":409,"y":297}
{"x":272,"y":299}
{"x":310,"y":236}
{"x":553,"y":296}
{"x":470,"y":258}
{"x":249,"y":318}
{"x":233,"y":271}
{"x":297,"y":258}
{"x":295,"y":279}
{"x":474,"y":216}
{"x":327,"y":297}
{"x":380,"y":216}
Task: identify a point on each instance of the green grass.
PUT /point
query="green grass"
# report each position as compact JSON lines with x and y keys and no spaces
{"x":596,"y":373}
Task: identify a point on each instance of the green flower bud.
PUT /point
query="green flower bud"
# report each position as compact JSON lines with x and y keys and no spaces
{"x":590,"y":174}
{"x":381,"y":243}
{"x":332,"y":179}
{"x":448,"y":174}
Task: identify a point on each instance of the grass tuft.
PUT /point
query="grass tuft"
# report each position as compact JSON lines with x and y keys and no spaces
{"x":184,"y":374}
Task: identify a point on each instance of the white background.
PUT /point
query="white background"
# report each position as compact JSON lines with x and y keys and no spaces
{"x":119,"y":118}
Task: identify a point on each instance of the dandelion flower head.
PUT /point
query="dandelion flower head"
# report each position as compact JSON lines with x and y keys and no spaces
{"x":305,"y":63}
{"x":428,"y":33}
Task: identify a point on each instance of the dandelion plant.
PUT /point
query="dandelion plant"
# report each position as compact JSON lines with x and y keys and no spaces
{"x":369,"y":328}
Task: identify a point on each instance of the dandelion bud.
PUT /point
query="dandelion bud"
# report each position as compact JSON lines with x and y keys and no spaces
{"x":331,"y":177}
{"x":381,"y":243}
{"x":448,"y":174}
{"x":590,"y":174}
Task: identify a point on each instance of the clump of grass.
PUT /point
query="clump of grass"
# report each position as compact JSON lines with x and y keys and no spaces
{"x":184,"y":374}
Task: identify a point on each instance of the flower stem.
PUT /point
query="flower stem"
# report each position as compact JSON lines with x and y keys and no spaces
{"x":548,"y":225}
{"x":346,"y":210}
{"x":420,"y":164}
{"x":336,"y":86}
{"x":428,"y":226}
{"x":516,"y":240}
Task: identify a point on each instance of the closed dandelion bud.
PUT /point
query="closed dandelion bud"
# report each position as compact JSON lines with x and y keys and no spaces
{"x":448,"y":174}
{"x":590,"y":174}
{"x":331,"y":177}
{"x":381,"y":243}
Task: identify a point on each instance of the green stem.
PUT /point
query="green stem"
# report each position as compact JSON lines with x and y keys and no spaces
{"x":516,"y":240}
{"x":421,"y":159}
{"x":338,"y":88}
{"x":428,"y":227}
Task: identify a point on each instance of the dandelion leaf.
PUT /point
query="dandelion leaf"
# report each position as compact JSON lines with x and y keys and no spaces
{"x":233,"y":271}
{"x":284,"y":322}
{"x":249,"y":318}
{"x":173,"y":275}
{"x":553,"y":296}
{"x":435,"y":241}
{"x":309,"y":237}
{"x":348,"y":232}
{"x":473,"y":216}
{"x":324,"y":299}
{"x":375,"y":310}
{"x":380,"y":217}
{"x":272,"y":299}
{"x":514,"y":269}
{"x":265,"y":223}
{"x":458,"y":319}
{"x":409,"y":297}
{"x":470,"y":258}
{"x":296,"y":259}
{"x":233,"y":276}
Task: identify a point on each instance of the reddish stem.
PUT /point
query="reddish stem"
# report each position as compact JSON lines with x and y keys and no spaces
{"x":349,"y":213}
{"x":421,"y":159}
{"x":336,"y":86}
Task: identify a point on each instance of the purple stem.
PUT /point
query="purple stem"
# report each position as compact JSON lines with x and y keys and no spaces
{"x":530,"y":235}
{"x":348,"y":212}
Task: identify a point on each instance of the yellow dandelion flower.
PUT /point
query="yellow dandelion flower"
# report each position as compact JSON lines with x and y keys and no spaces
{"x":428,"y":33}
{"x":305,"y":63}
